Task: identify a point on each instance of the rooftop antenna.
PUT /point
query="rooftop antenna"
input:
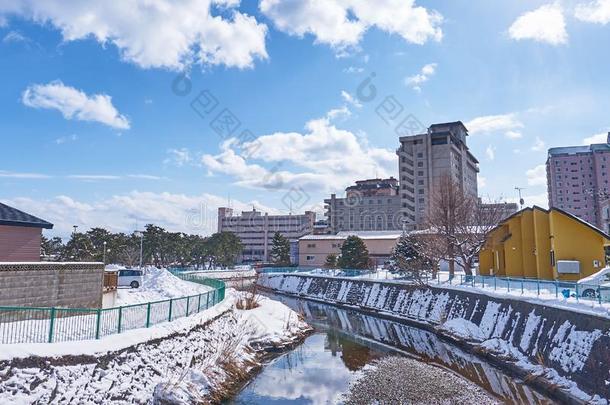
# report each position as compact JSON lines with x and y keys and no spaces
{"x":521,"y":201}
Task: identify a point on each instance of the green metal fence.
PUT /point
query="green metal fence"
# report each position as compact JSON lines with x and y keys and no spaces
{"x":46,"y":325}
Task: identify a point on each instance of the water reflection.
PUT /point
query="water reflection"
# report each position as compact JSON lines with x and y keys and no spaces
{"x":319,"y":371}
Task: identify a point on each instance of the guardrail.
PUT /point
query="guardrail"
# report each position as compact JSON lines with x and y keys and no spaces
{"x":46,"y":325}
{"x":557,"y":288}
{"x":547,"y":288}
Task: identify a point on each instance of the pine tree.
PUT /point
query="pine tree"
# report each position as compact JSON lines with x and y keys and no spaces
{"x":354,"y":254}
{"x":331,"y":261}
{"x":409,"y":259}
{"x":280,"y":250}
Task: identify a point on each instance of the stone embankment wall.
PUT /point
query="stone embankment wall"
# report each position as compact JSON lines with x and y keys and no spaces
{"x":51,"y":284}
{"x":575,"y":345}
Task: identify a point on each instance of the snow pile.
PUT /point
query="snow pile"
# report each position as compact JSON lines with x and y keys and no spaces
{"x":187,"y":361}
{"x":158,"y":285}
{"x":271,"y":321}
{"x":463,"y":329}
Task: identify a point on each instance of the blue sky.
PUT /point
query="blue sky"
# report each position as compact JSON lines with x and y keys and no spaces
{"x":94,"y":135}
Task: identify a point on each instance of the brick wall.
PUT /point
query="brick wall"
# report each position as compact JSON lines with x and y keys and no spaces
{"x":48,"y":284}
{"x":19,"y":244}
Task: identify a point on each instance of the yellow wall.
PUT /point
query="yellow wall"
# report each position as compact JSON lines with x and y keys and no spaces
{"x":542,"y":245}
{"x":533,"y":234}
{"x":571,"y":240}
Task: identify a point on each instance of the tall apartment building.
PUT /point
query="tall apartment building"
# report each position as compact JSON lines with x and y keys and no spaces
{"x":424,"y":159}
{"x":256,"y":230}
{"x":578,"y":181}
{"x":369,"y":205}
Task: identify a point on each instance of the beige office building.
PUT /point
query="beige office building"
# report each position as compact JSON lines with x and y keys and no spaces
{"x":424,"y":159}
{"x":313,"y":249}
{"x":256,"y":229}
{"x":369,"y":205}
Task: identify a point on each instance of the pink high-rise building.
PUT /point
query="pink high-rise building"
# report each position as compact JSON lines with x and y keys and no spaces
{"x":578,"y":180}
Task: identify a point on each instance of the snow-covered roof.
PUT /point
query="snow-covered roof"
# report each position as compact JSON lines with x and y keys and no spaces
{"x":361,"y":234}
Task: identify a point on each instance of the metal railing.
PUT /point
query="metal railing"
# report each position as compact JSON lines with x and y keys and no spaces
{"x":521,"y":286}
{"x":46,"y":325}
{"x":547,"y":288}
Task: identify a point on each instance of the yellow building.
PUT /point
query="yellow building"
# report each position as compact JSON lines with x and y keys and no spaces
{"x":547,"y":244}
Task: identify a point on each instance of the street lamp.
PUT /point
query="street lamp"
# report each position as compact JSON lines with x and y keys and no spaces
{"x":104,"y":255}
{"x":140,"y":234}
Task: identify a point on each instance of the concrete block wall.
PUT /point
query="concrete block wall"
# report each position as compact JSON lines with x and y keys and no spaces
{"x":51,"y":284}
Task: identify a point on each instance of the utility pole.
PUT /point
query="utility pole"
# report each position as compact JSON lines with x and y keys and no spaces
{"x":104,"y":255}
{"x":521,"y":201}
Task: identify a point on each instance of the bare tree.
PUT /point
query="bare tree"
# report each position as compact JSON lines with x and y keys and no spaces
{"x":130,"y":255}
{"x":459,"y":223}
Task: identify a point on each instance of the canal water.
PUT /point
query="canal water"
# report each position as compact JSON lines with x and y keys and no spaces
{"x":320,"y":370}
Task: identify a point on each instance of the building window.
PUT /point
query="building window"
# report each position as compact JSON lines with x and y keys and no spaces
{"x":420,"y":182}
{"x":311,"y":245}
{"x":421,"y":155}
{"x":310,"y":258}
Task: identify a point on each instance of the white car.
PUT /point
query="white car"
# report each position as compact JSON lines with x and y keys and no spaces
{"x":130,"y":278}
{"x":596,"y":284}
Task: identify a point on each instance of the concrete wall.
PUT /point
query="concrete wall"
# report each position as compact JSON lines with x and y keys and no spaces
{"x":576,"y":345}
{"x":19,"y":244}
{"x":48,"y":284}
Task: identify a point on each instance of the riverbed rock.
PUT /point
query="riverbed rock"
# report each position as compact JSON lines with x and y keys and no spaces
{"x":401,"y":380}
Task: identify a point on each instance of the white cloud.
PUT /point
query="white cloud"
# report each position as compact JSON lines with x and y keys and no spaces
{"x":74,"y":104}
{"x":536,"y":176}
{"x":64,"y":139}
{"x":539,"y":145}
{"x":481,"y":182}
{"x":490,"y":152}
{"x":545,"y":24}
{"x":597,"y":11}
{"x":121,"y":213}
{"x":423,"y":76}
{"x":16,"y":175}
{"x":494,"y":123}
{"x":93,"y":177}
{"x":597,"y":138}
{"x":341,"y":112}
{"x":322,"y":158}
{"x":342,"y":23}
{"x":155,"y":34}
{"x":15,"y":37}
{"x":178,"y":157}
{"x":513,"y":134}
{"x":353,"y":69}
{"x":348,"y":98}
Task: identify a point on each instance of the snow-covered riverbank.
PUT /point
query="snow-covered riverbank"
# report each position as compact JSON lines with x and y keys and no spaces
{"x":556,"y":349}
{"x":193,"y":358}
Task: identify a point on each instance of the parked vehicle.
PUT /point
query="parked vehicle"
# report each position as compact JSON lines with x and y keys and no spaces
{"x":597,"y":284}
{"x":130,"y":278}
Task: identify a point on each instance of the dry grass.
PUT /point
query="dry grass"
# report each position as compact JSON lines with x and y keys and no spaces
{"x":247,"y":301}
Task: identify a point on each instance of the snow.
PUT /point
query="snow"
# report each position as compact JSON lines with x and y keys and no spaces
{"x":158,"y":285}
{"x":463,"y":329}
{"x":225,"y":274}
{"x":183,"y":360}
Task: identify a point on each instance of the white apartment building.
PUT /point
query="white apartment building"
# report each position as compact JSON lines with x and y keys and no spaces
{"x":256,"y":230}
{"x":424,"y":159}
